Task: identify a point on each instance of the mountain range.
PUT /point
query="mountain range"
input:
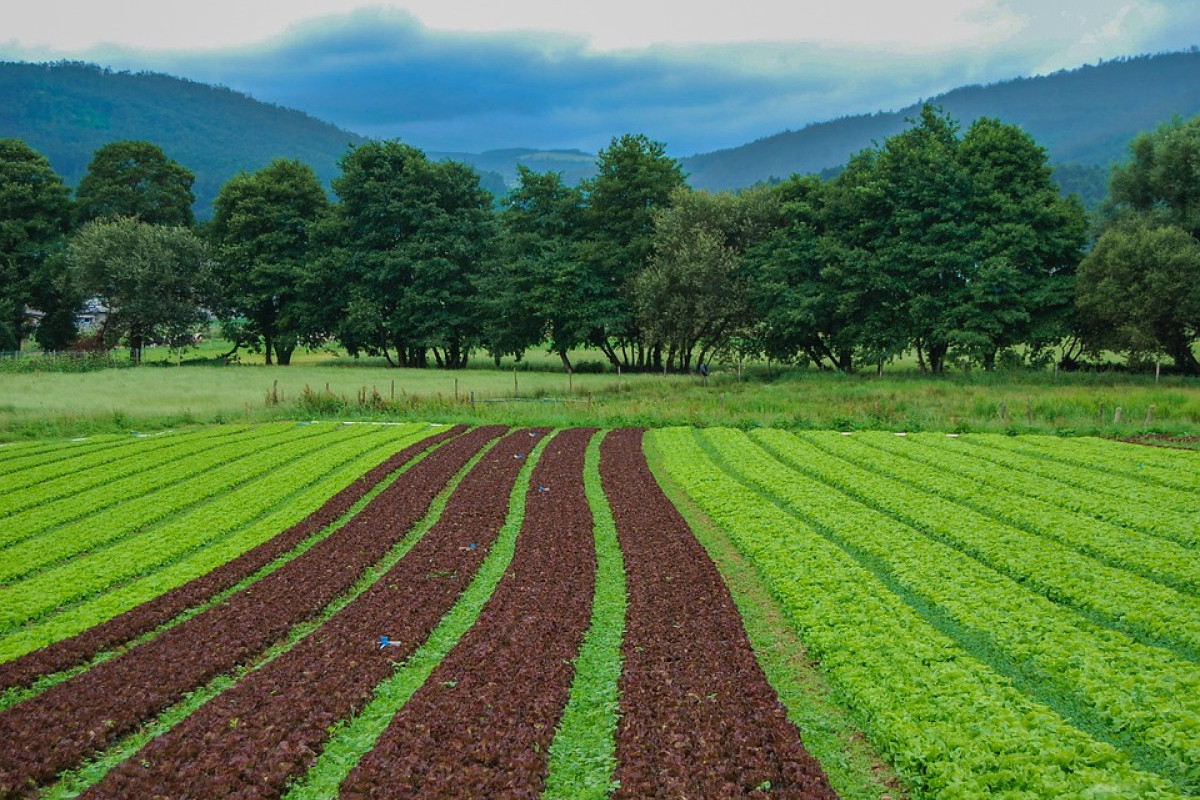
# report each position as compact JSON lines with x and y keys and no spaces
{"x":1084,"y":117}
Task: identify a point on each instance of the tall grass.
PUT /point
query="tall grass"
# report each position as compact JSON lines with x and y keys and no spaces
{"x":156,"y":396}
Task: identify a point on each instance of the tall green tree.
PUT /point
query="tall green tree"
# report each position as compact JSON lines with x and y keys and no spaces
{"x":1162,"y":175}
{"x":261,"y":228}
{"x":536,"y":292}
{"x":692,"y":297}
{"x":400,"y":253}
{"x":1137,"y":288}
{"x":1028,"y":243}
{"x":634,"y":177}
{"x":135,"y":179}
{"x":1139,"y":291}
{"x":155,"y":280}
{"x":35,"y":210}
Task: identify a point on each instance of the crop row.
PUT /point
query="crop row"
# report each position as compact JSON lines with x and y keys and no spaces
{"x":1166,"y":466}
{"x":1120,"y":690}
{"x":235,"y":530}
{"x":950,"y":724}
{"x":996,"y":492}
{"x":1142,"y":608}
{"x":16,"y":460}
{"x":174,"y":495}
{"x":60,"y":726}
{"x":253,"y":563}
{"x":101,"y":517}
{"x":698,"y":718}
{"x":76,"y":494}
{"x":1157,"y":510}
{"x":213,"y":505}
{"x":481,"y":725}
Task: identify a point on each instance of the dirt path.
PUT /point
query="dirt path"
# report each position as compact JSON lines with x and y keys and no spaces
{"x":481,"y":726}
{"x":58,"y":728}
{"x":698,"y":716}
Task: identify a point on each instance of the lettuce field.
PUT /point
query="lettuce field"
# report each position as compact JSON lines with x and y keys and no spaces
{"x":315,"y":610}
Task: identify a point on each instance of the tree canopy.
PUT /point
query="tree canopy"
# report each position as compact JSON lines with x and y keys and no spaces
{"x":135,"y":179}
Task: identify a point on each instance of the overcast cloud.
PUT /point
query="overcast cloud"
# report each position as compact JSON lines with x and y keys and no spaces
{"x":466,"y":76}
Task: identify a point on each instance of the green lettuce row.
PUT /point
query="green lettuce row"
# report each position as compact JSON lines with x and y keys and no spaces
{"x":352,"y":738}
{"x":299,"y":493}
{"x":16,"y":457}
{"x":949,"y":724}
{"x":108,"y":529}
{"x":1084,"y":502}
{"x":1158,"y":510}
{"x":583,"y":754}
{"x":997,"y":491}
{"x":1142,"y":608}
{"x":161,"y":479}
{"x":1119,"y":690}
{"x":70,"y":487}
{"x":1174,"y":468}
{"x":214,"y":512}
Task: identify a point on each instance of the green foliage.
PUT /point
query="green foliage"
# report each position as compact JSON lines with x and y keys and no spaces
{"x":949,"y":721}
{"x":1139,"y":291}
{"x":634,"y":178}
{"x":135,"y":179}
{"x":399,"y":253}
{"x":691,"y":298}
{"x":34,"y":215}
{"x":155,"y":280}
{"x":261,"y":229}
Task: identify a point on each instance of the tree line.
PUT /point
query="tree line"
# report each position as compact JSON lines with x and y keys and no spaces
{"x":953,"y":245}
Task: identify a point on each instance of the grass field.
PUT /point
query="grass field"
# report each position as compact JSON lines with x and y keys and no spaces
{"x":34,"y":404}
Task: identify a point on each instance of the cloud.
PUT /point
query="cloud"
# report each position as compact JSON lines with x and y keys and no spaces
{"x":386,"y":74}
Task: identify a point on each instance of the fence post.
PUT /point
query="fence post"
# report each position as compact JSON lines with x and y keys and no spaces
{"x":1150,"y":414}
{"x":1117,"y":416}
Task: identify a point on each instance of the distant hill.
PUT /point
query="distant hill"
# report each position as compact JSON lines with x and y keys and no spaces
{"x":575,"y":165}
{"x":1084,"y":117}
{"x":66,"y":111}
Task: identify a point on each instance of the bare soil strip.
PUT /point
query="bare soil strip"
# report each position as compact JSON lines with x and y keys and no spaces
{"x":699,"y":718}
{"x":55,"y":730}
{"x":269,"y":728}
{"x":79,"y":649}
{"x":481,"y":726}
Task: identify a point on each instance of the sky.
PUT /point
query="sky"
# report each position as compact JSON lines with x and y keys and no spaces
{"x":454,"y":75}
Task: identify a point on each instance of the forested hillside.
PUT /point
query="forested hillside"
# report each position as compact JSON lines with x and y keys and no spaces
{"x":67,"y":111}
{"x":1083,"y":117}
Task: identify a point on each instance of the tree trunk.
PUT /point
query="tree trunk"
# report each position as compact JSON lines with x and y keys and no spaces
{"x":937,"y":357}
{"x":269,"y":341}
{"x":566,"y":362}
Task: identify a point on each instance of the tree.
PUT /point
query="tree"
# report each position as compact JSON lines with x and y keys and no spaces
{"x":1162,"y":176}
{"x":135,"y":179}
{"x":691,"y":298}
{"x":634,"y":177}
{"x":35,"y":209}
{"x":1028,"y":243}
{"x":536,"y":291}
{"x":155,"y":280}
{"x":261,"y":232}
{"x":1139,"y":291}
{"x":401,"y":250}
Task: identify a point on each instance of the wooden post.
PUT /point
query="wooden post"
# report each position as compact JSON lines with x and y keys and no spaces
{"x":1004,"y":412}
{"x":456,"y":390}
{"x":472,"y":401}
{"x":393,"y":388}
{"x":1102,"y":413}
{"x":1117,"y":416}
{"x":1029,"y":412}
{"x":515,"y":382}
{"x":570,"y":382}
{"x":1150,"y":414}
{"x":618,"y":378}
{"x":275,"y":392}
{"x":1157,"y":371}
